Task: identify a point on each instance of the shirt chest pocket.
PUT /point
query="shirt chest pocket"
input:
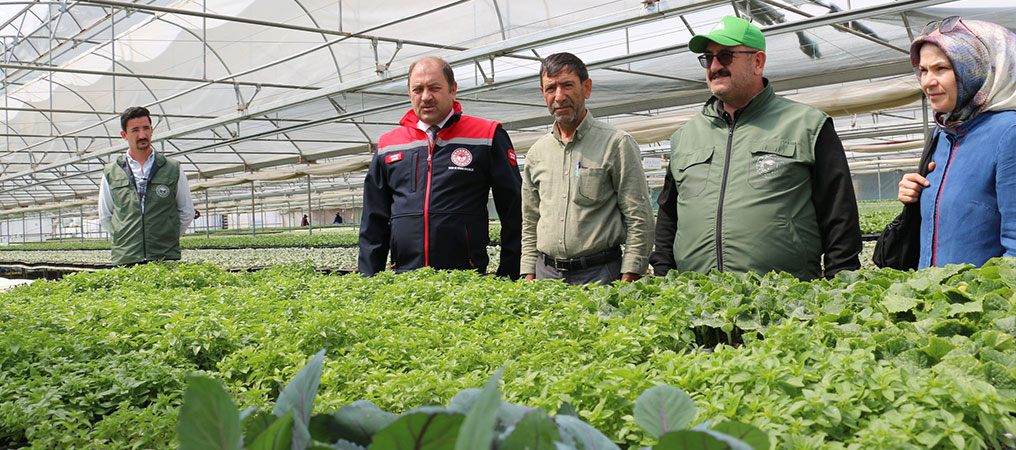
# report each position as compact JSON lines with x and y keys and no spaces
{"x":404,"y":170}
{"x":691,"y":171}
{"x":775,"y":166}
{"x":593,"y":186}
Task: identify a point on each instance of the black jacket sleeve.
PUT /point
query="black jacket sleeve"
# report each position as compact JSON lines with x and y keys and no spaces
{"x":835,"y":204}
{"x":662,"y":258}
{"x":506,"y":185}
{"x":375,"y":224}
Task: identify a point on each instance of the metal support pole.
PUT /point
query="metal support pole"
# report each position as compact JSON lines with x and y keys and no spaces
{"x":24,"y":229}
{"x":81,"y":222}
{"x":40,"y":226}
{"x":59,"y":224}
{"x":310,"y":216}
{"x":253,"y":212}
{"x":878,"y":176}
{"x":208,"y":217}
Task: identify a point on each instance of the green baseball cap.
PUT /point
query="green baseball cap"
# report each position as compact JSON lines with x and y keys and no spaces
{"x":730,"y":31}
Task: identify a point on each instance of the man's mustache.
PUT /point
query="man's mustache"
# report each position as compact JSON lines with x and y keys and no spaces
{"x":719,"y":73}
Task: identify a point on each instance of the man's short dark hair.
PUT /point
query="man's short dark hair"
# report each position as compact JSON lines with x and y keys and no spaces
{"x":449,"y":74}
{"x":554,"y":64}
{"x":133,"y":113}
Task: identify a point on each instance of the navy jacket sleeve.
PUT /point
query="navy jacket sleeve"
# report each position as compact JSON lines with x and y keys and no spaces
{"x":662,"y":258}
{"x":506,"y":184}
{"x":375,"y":224}
{"x":835,"y":204}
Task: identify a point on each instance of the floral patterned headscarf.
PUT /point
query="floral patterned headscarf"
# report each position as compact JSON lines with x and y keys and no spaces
{"x":983,"y":57}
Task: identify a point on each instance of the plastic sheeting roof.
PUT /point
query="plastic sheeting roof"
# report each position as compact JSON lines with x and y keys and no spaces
{"x":271,"y":90}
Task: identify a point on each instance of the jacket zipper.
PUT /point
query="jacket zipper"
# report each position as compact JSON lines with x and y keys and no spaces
{"x":723,"y":193}
{"x":938,"y":199}
{"x":426,"y":203}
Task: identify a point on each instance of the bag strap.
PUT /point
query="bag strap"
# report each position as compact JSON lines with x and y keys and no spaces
{"x":929,"y":149}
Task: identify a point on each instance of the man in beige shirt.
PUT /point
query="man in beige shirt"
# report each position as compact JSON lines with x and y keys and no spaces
{"x":584,"y":192}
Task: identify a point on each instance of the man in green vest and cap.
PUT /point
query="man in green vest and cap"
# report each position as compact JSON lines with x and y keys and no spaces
{"x":144,"y":201}
{"x":757,"y":182}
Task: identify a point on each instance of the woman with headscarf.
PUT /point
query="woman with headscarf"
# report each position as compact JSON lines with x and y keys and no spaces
{"x":967,"y":68}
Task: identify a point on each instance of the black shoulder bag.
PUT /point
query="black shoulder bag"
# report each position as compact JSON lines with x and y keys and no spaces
{"x":899,"y":245}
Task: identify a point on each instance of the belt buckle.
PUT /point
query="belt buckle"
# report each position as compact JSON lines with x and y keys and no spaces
{"x":562,"y":264}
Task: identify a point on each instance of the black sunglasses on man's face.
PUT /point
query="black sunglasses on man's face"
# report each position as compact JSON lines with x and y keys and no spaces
{"x":725,"y":57}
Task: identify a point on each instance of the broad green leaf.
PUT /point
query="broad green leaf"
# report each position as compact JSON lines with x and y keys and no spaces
{"x":536,"y":431}
{"x":1006,"y":324}
{"x":508,"y":414}
{"x":346,"y":445}
{"x":749,"y":434}
{"x":996,"y":340}
{"x":278,"y":436}
{"x":661,"y":409}
{"x":689,"y":440}
{"x":358,"y":422}
{"x":298,"y":396}
{"x":478,"y":429}
{"x":964,"y":308}
{"x":420,"y":431}
{"x":952,"y":327}
{"x":577,"y":433}
{"x":256,"y":424}
{"x":463,"y":401}
{"x":208,"y":419}
{"x":937,"y":347}
{"x":896,"y":303}
{"x":567,"y":409}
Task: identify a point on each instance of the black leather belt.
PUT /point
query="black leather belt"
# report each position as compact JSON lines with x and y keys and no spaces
{"x":582,"y":262}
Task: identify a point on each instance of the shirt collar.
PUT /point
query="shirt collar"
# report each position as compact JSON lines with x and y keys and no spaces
{"x":580,"y":130}
{"x":424,"y":125}
{"x":135,"y":165}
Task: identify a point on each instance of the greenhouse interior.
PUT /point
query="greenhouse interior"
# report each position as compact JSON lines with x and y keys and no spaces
{"x":274,"y":110}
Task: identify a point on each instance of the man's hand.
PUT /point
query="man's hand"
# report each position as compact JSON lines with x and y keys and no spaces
{"x":629,"y":277}
{"x":911,"y":186}
{"x":530,"y":276}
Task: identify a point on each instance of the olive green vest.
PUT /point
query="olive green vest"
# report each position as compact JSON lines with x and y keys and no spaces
{"x":744,"y":194}
{"x":155,"y":234}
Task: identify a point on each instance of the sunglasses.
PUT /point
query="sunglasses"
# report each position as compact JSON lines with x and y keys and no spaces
{"x":946,"y":25}
{"x":725,"y":57}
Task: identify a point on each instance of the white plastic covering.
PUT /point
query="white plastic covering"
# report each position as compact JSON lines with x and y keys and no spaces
{"x":238,"y":100}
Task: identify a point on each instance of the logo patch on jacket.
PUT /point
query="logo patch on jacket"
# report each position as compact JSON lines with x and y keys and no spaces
{"x":512,"y":158}
{"x":393,"y":158}
{"x":461,"y":157}
{"x":162,"y":191}
{"x":768,"y":167}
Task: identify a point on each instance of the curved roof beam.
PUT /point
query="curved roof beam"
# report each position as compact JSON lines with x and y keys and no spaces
{"x":324,"y":38}
{"x":102,"y":122}
{"x":270,"y":24}
{"x":43,"y":114}
{"x":205,"y":83}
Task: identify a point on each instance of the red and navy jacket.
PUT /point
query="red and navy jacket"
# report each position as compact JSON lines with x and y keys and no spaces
{"x":427,"y":202}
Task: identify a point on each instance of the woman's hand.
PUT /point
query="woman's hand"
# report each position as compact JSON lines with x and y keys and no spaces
{"x":911,"y":186}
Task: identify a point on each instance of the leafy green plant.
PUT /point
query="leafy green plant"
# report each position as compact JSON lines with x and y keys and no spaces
{"x":475,"y":419}
{"x":869,"y":359}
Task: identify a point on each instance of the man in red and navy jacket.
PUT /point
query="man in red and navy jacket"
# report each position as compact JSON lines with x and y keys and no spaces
{"x":425,"y":194}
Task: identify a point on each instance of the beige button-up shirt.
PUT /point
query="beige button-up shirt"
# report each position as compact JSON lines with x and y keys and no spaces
{"x":585,"y":197}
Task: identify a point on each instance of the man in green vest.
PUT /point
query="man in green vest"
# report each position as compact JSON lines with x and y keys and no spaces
{"x":756,"y":183}
{"x":144,"y":201}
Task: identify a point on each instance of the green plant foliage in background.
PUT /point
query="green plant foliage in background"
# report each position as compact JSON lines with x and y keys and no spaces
{"x":874,"y":215}
{"x":871,"y":359}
